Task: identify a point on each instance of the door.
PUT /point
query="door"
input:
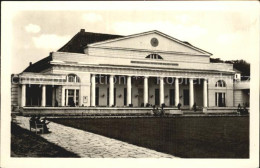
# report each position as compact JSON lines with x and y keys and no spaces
{"x":157,"y":97}
{"x":125,"y":95}
{"x":71,"y":97}
{"x":140,"y":96}
{"x":221,"y":99}
{"x":172,"y":97}
{"x":114,"y":96}
{"x":186,"y":96}
{"x":97,"y":96}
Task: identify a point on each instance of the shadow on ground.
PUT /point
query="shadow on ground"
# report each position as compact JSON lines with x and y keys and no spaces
{"x":27,"y":144}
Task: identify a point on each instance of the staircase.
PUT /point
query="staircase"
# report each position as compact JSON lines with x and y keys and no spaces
{"x":188,"y":111}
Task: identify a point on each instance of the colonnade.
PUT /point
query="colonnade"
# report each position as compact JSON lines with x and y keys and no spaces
{"x":146,"y":87}
{"x":129,"y":91}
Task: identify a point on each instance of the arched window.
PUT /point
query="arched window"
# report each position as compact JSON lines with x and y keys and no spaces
{"x":73,"y":78}
{"x":154,"y":56}
{"x":220,"y":83}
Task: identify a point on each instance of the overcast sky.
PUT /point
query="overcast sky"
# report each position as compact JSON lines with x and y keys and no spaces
{"x":227,"y":30}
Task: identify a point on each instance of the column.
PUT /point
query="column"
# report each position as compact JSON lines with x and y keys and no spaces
{"x":191,"y":93}
{"x":80,"y":97}
{"x":129,"y":91}
{"x":23,"y":98}
{"x":43,"y":95}
{"x":161,"y":90}
{"x":177,"y":91}
{"x":62,"y":96}
{"x":205,"y":93}
{"x":93,"y":90}
{"x":145,"y":90}
{"x":111,"y":90}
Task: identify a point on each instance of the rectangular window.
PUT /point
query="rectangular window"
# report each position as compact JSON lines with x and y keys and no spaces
{"x":71,"y":78}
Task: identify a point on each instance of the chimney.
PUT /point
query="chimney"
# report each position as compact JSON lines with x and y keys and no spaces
{"x":82,"y":30}
{"x":30,"y":63}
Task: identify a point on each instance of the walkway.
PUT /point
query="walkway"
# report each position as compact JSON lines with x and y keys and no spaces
{"x":91,"y":145}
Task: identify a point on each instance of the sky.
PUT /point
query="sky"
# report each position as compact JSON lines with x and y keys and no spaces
{"x":229,"y":31}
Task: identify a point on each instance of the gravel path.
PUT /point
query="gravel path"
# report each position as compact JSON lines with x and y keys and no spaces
{"x":91,"y":145}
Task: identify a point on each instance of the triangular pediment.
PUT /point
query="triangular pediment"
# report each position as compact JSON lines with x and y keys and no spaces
{"x":152,"y":41}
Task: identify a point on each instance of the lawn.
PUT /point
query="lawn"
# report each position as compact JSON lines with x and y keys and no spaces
{"x":186,"y":137}
{"x":27,"y":144}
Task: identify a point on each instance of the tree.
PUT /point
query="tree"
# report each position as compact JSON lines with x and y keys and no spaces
{"x":241,"y":65}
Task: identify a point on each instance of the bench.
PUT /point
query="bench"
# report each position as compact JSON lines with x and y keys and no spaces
{"x":36,"y":126}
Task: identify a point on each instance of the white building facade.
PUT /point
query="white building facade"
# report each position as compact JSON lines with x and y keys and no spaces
{"x":100,"y":70}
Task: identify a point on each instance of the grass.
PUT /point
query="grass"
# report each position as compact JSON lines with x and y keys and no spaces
{"x":27,"y":144}
{"x":187,"y":137}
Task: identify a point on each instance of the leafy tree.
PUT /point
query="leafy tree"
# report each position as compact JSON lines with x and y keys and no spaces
{"x":241,"y":65}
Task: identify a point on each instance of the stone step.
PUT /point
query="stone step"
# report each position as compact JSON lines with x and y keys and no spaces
{"x":192,"y":112}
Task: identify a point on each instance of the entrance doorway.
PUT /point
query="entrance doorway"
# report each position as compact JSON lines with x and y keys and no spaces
{"x":172,"y":97}
{"x":220,"y":99}
{"x":140,"y":96}
{"x":156,"y":97}
{"x":186,"y":97}
{"x":73,"y":97}
{"x":97,"y":96}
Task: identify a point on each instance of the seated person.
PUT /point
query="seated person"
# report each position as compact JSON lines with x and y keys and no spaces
{"x":38,"y":120}
{"x":32,"y":119}
{"x":45,"y":128}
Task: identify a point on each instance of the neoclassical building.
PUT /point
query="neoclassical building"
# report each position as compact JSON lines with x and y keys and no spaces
{"x":95,"y":71}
